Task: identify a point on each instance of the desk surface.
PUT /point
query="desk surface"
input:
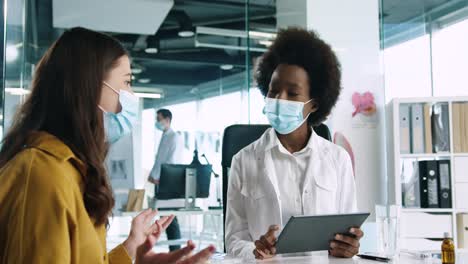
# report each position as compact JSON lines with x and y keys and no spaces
{"x":323,"y":259}
{"x":179,"y":212}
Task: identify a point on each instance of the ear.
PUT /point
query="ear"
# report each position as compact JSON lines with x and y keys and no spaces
{"x":313,"y":106}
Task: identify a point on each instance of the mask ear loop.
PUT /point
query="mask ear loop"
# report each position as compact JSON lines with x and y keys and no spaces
{"x":108,"y":85}
{"x":102,"y":109}
{"x":115,"y":91}
{"x":307,"y":117}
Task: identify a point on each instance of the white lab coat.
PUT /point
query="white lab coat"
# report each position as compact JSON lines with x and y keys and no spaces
{"x":253,"y":198}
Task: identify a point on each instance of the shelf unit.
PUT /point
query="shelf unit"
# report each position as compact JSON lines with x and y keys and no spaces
{"x":395,"y":159}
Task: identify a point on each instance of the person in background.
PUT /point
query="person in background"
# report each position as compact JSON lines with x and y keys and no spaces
{"x":55,"y":194}
{"x":290,"y":170}
{"x":169,"y":152}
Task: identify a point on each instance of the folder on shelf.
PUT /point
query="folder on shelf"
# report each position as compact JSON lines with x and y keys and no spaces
{"x":405,"y":129}
{"x":427,"y":128}
{"x":464,"y":125}
{"x":417,"y":128}
{"x":440,"y":128}
{"x":462,"y":230}
{"x":428,"y":184}
{"x":410,"y":183}
{"x":445,"y":189}
{"x":457,"y":109}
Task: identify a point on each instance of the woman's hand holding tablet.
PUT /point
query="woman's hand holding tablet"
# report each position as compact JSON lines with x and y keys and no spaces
{"x":339,"y":234}
{"x":265,"y":247}
{"x":346,"y":245}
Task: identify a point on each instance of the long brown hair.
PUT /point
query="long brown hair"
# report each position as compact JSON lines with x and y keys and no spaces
{"x":65,"y":94}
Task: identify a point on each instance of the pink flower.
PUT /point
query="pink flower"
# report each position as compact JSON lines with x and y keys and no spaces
{"x":364,"y":104}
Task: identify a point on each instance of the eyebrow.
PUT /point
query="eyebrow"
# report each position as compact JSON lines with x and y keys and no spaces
{"x":293,"y":85}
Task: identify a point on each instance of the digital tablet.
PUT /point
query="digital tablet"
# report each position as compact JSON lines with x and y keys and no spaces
{"x":314,"y":233}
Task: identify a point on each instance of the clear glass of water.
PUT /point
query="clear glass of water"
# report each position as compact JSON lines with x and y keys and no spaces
{"x":388,"y":229}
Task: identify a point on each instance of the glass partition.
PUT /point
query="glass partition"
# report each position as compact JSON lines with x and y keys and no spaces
{"x":424,"y":48}
{"x":191,"y":57}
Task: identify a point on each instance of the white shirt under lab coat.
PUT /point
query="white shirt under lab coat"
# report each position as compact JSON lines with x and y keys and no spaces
{"x":293,"y":168}
{"x":255,"y":197}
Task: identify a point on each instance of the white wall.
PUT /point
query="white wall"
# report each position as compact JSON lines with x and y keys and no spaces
{"x":352,"y":29}
{"x":353,"y":32}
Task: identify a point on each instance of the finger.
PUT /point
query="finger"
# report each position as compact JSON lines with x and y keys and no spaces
{"x":142,"y":214}
{"x":344,"y":249}
{"x":150,"y":216}
{"x":268,"y":241}
{"x":200,"y":257}
{"x":257,"y":255}
{"x":177,"y":255}
{"x":264,"y":255}
{"x":261,"y":247}
{"x":158,"y":231}
{"x":164,"y":220}
{"x":345,"y":246}
{"x":357,"y":232}
{"x":167,"y":221}
{"x":191,"y":244}
{"x":272,"y":230}
{"x":354,"y":242}
{"x":155,"y":228}
{"x":273,"y":250}
{"x":271,"y":234}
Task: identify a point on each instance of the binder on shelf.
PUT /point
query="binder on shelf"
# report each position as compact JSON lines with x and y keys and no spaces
{"x":417,"y":128}
{"x":427,"y":128}
{"x":405,"y":143}
{"x":445,"y":190}
{"x":410,"y":184}
{"x":464,"y":127}
{"x":440,"y":128}
{"x":462,"y":230}
{"x":457,"y":109}
{"x":428,"y":184}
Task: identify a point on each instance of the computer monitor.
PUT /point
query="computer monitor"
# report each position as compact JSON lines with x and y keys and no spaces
{"x":203,"y":180}
{"x":172,"y":181}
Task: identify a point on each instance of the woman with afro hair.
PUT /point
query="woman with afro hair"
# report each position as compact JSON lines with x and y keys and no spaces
{"x":290,"y":170}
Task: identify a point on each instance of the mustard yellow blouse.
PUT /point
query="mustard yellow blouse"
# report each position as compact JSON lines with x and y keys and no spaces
{"x":42,"y":215}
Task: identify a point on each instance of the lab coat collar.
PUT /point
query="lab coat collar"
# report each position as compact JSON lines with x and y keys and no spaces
{"x":271,"y":140}
{"x":277,"y":143}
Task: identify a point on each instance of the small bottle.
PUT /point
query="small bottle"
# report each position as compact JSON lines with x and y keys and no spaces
{"x":448,"y":250}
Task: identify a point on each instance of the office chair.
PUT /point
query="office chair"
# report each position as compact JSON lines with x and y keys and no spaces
{"x":237,"y":137}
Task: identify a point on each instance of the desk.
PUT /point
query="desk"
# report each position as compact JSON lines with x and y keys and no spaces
{"x":321,"y":258}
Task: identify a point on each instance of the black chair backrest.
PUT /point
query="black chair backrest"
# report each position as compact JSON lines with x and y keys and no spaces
{"x":237,"y":137}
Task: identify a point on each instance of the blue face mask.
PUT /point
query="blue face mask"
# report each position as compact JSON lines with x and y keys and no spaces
{"x":159,"y":126}
{"x":285,"y":116}
{"x":120,"y":124}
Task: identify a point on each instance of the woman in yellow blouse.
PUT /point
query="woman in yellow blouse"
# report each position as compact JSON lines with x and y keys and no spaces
{"x":55,"y":194}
